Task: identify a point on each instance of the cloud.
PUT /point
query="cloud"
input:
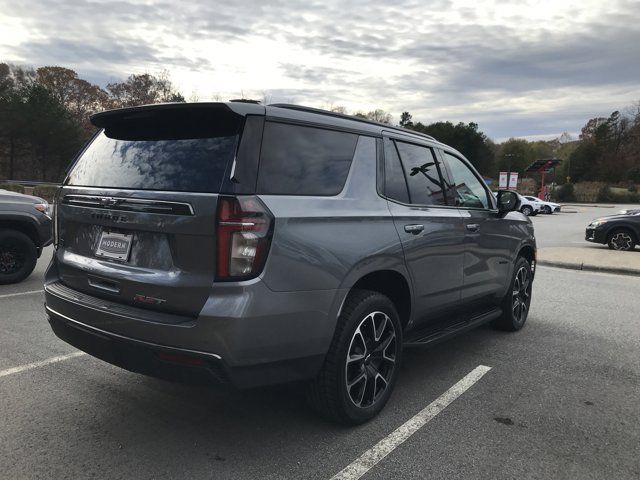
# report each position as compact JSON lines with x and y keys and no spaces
{"x":517,"y":68}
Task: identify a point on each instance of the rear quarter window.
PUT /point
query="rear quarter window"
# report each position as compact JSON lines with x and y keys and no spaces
{"x":299,"y":160}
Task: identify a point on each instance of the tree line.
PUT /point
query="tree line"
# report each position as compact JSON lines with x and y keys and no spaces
{"x":44,"y":121}
{"x":44,"y":115}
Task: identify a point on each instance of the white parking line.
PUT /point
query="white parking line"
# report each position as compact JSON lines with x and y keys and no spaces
{"x":21,"y":293}
{"x":31,"y":366}
{"x":385,"y":446}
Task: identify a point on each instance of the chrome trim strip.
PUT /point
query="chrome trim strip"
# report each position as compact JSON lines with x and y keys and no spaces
{"x":129,"y":339}
{"x":95,"y":199}
{"x":139,"y":190}
{"x":238,"y":224}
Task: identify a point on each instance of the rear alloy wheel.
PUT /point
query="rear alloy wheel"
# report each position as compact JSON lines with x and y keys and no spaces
{"x":18,"y":256}
{"x":622,"y":240}
{"x":527,"y":210}
{"x":516,"y":303}
{"x":371,"y":359}
{"x":362,"y":364}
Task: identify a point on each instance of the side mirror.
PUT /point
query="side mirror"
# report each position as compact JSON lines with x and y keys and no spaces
{"x":508,"y":201}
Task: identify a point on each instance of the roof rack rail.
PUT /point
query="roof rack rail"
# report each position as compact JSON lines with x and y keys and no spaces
{"x":319,"y":111}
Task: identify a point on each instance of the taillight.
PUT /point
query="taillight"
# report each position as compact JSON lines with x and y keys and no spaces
{"x":244,"y":228}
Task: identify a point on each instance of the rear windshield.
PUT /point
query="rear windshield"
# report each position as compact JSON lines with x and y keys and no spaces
{"x":175,"y":153}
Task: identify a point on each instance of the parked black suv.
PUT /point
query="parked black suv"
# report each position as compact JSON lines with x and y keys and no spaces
{"x":25,"y":229}
{"x":254,"y":245}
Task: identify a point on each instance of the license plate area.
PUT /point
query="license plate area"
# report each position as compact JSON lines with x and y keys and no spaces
{"x":114,"y":245}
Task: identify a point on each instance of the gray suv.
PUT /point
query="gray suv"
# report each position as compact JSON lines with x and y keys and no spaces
{"x":249,"y":245}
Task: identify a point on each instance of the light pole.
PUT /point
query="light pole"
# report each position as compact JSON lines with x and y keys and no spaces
{"x":508,"y":157}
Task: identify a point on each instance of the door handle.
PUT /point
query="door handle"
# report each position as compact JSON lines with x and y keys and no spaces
{"x":414,"y":228}
{"x":473,"y":227}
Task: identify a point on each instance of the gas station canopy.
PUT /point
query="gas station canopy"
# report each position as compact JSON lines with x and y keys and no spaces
{"x":543,"y":165}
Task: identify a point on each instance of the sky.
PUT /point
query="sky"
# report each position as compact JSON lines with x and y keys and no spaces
{"x":530,"y":69}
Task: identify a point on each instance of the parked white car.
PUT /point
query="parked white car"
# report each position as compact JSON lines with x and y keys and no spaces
{"x":527,"y":207}
{"x":545,"y":207}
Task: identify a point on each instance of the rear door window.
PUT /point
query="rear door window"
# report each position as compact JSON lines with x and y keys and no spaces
{"x":300,"y":160}
{"x":422,"y":174}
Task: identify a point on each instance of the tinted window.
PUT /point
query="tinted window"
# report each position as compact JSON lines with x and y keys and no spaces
{"x":394,"y":179}
{"x":299,"y":160}
{"x":153,"y":154}
{"x":469,"y":190}
{"x":423,"y":178}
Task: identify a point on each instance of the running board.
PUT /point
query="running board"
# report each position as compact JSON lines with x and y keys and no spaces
{"x":431,"y":337}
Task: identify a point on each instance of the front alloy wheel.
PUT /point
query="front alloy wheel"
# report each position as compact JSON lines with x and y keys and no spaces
{"x":521,"y":295}
{"x":371,"y":359}
{"x":515,"y":304}
{"x":12,"y":258}
{"x":18,"y":256}
{"x":621,"y":240}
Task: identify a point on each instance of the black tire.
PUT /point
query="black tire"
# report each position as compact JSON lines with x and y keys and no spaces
{"x":547,"y":210}
{"x":514,"y":318}
{"x":328,"y":392}
{"x":621,"y":239}
{"x":527,"y":210}
{"x":18,"y":256}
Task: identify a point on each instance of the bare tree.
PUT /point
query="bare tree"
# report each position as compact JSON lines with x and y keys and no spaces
{"x":380,"y":116}
{"x":143,"y":89}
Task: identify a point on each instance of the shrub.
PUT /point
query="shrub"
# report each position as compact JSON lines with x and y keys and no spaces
{"x":605,"y":194}
{"x":45,"y":191}
{"x":565,"y":193}
{"x":588,"y":191}
{"x":12,"y":187}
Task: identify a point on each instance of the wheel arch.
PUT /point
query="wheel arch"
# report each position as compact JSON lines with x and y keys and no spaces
{"x":392,"y":284}
{"x":530,"y":253}
{"x":622,"y":228}
{"x":23,"y":225}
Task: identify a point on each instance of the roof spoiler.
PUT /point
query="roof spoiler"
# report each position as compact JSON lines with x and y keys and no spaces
{"x":109,"y":117}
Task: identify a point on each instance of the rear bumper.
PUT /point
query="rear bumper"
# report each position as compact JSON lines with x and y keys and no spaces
{"x":247,"y":335}
{"x":176,"y":364}
{"x":138,"y":356}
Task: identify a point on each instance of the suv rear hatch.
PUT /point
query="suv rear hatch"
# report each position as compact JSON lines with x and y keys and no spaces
{"x":136,"y":216}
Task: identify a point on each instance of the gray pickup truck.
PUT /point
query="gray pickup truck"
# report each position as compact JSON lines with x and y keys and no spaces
{"x":25,"y":229}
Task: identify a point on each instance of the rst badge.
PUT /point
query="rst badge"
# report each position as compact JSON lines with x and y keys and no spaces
{"x":148,"y":300}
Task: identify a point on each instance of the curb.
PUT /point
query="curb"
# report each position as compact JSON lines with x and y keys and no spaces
{"x":589,"y":268}
{"x":587,"y":205}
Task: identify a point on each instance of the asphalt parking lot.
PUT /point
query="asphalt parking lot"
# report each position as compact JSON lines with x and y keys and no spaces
{"x":560,"y":400}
